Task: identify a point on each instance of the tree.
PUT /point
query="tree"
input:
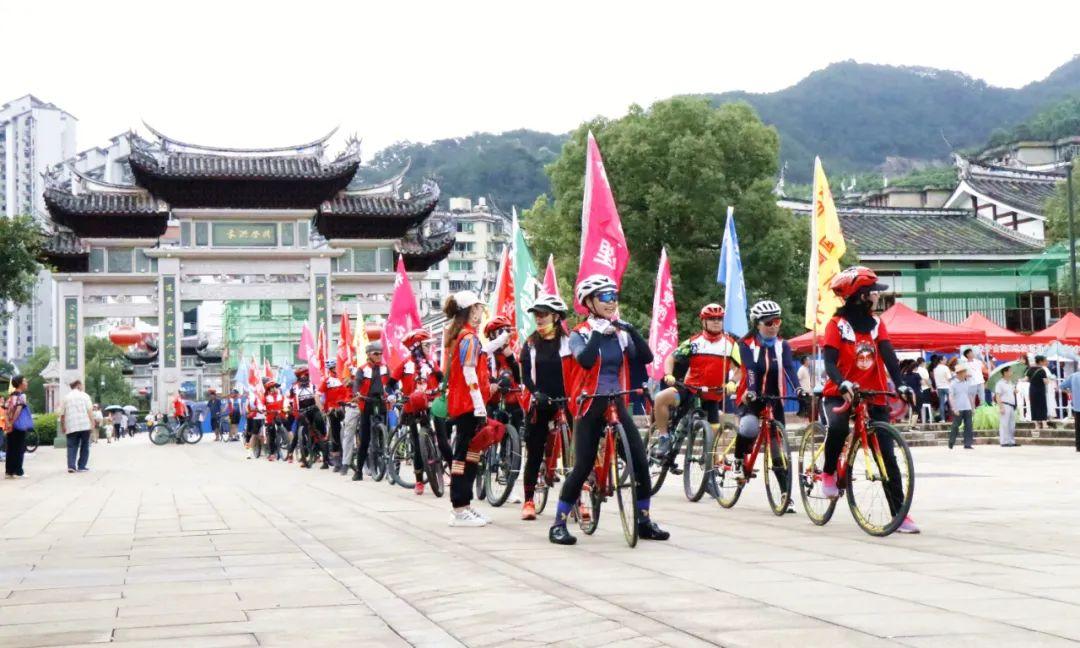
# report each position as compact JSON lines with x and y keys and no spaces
{"x":35,"y":384}
{"x":1057,"y":208}
{"x":20,"y":245}
{"x":674,"y":169}
{"x":105,"y":381}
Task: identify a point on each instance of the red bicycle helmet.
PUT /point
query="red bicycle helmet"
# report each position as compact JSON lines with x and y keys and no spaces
{"x":416,"y":336}
{"x":300,"y":371}
{"x":853,"y":279}
{"x":418,"y":401}
{"x":711,"y":311}
{"x":497,"y":323}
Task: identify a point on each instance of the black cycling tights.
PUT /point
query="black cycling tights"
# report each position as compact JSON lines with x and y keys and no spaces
{"x":838,"y":428}
{"x":463,"y":473}
{"x":588,"y":431}
{"x":536,"y":434}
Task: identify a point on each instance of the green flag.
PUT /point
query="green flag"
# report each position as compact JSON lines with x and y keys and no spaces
{"x":525,"y":279}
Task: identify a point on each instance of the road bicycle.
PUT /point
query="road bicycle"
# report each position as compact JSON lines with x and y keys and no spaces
{"x":729,"y":473}
{"x":500,"y":464}
{"x":277,"y":436}
{"x":187,"y":432}
{"x":376,"y":461}
{"x":688,"y":424}
{"x":612,"y":474}
{"x":879,"y":484}
{"x":313,"y":442}
{"x":558,"y":455}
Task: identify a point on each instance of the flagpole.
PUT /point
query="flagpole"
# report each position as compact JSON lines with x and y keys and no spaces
{"x":812,"y":281}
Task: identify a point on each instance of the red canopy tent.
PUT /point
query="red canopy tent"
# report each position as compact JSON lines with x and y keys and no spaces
{"x":1005,"y":344}
{"x":1066,"y":330}
{"x":910,"y":330}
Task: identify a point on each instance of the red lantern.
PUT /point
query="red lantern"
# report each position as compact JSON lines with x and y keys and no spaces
{"x":125,"y":336}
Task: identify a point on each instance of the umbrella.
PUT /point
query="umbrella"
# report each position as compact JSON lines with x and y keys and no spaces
{"x":113,"y":408}
{"x":130,"y":408}
{"x":1019,"y":368}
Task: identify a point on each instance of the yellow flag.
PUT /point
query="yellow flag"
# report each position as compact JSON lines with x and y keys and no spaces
{"x":360,"y":340}
{"x":826,"y":248}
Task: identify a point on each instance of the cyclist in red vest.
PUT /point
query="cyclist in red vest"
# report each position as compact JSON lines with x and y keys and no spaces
{"x":370,"y":381}
{"x":418,"y":374}
{"x":337,"y":394}
{"x":275,"y":415}
{"x":468,"y":390}
{"x":859,"y":355}
{"x":603,"y":347}
{"x":504,"y":367}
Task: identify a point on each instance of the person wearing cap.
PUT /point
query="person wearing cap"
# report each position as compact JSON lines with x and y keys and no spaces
{"x":414,"y":378}
{"x":337,"y":393}
{"x":468,"y":389}
{"x":256,"y":421}
{"x":1005,"y":395}
{"x":305,"y":401}
{"x":858,"y":355}
{"x":213,"y":410}
{"x":370,"y":382}
{"x":602,"y":347}
{"x":544,"y":358}
{"x":962,"y":394}
{"x":274,"y":402}
{"x":503,"y":365}
{"x":235,"y":410}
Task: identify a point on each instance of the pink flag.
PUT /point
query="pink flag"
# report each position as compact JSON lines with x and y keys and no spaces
{"x":551,"y":284}
{"x":603,"y":245}
{"x":404,"y":317}
{"x":306,"y":351}
{"x":664,"y":332}
{"x":317,"y":366}
{"x":268,"y":371}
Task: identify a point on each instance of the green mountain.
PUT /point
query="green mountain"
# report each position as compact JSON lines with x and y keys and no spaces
{"x":856,"y":116}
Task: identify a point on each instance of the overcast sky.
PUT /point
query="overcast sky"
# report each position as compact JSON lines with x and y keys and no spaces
{"x":263,"y":74}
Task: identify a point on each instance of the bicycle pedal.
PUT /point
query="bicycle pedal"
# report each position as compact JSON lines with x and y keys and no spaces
{"x":675,"y":470}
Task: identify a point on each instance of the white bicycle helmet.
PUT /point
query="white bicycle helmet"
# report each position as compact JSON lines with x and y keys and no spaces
{"x":550,"y":303}
{"x":594,"y":284}
{"x":764,"y":309}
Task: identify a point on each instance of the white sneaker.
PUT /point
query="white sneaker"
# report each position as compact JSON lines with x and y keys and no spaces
{"x":480,"y":515}
{"x":465,"y":518}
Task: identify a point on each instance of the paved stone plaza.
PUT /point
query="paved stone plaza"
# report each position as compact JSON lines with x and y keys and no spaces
{"x":194,"y":546}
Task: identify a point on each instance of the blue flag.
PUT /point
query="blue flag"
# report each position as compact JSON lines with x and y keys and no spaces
{"x":730,"y":274}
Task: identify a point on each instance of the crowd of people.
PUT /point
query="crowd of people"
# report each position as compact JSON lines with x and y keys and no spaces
{"x":479,"y":366}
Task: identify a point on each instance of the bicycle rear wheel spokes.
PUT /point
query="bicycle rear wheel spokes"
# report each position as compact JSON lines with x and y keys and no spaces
{"x":881,"y":480}
{"x":588,"y":507}
{"x":777,"y":471}
{"x":401,"y":469}
{"x":160,"y":434}
{"x":723,"y":479}
{"x":377,"y":452}
{"x":503,"y":467}
{"x":433,"y":463}
{"x":811,"y":461}
{"x":696,"y":466}
{"x":658,"y":467}
{"x":625,"y":487}
{"x":190,"y":433}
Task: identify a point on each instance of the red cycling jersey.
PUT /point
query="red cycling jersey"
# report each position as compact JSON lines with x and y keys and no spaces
{"x":415,"y":374}
{"x":859,"y":359}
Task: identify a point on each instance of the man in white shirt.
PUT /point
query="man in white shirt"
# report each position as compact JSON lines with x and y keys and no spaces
{"x":975,"y":374}
{"x":806,"y":383}
{"x":962,"y":402}
{"x":76,"y":420}
{"x":942,"y":380}
{"x":1005,"y":394}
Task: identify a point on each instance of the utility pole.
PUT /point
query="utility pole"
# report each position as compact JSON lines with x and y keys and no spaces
{"x":1072,"y":235}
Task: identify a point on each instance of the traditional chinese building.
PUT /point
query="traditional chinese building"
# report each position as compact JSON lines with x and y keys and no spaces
{"x":178,"y":224}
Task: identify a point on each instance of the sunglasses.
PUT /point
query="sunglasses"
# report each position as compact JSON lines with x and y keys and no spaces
{"x":376,"y":353}
{"x":714,"y":319}
{"x":773,"y":322}
{"x":608,"y":297}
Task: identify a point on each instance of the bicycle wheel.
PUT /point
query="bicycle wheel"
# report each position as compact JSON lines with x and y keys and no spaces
{"x":658,"y":467}
{"x":31,"y":440}
{"x":190,"y":433}
{"x":724,"y":483}
{"x":256,"y":445}
{"x":811,"y":466}
{"x":433,"y":464}
{"x":778,"y":470}
{"x":696,"y":458}
{"x":879,"y":491}
{"x":503,"y":470}
{"x":160,"y":434}
{"x":400,"y":468}
{"x":377,"y":451}
{"x":587,"y":510}
{"x":625,"y":487}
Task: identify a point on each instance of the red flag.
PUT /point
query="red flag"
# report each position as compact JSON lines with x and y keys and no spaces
{"x":664,"y":332}
{"x":306,"y":350}
{"x":268,"y":370}
{"x":253,"y":379}
{"x":504,"y":290}
{"x":345,"y":351}
{"x":321,"y":357}
{"x":551,"y":284}
{"x":603,"y":245}
{"x":404,"y":317}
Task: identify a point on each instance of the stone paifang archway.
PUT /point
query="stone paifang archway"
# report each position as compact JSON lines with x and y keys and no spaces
{"x":176,"y":223}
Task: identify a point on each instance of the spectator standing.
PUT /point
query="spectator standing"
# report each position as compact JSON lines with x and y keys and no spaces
{"x":1072,"y":385}
{"x":98,"y":421}
{"x":132,"y":423}
{"x":942,"y":379}
{"x":1005,"y":395}
{"x":118,"y":422}
{"x":961,"y":400}
{"x":806,"y":383}
{"x":21,"y":422}
{"x":76,"y":421}
{"x":1038,"y":377}
{"x":925,"y":386}
{"x":976,"y":374}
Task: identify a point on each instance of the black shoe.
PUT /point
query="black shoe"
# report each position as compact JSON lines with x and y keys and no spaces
{"x":559,"y":534}
{"x":969,"y":447}
{"x":325,"y":466}
{"x":663,"y":447}
{"x":649,"y":530}
{"x":359,"y":476}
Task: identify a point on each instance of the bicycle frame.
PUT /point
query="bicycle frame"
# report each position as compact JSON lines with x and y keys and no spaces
{"x":859,"y":434}
{"x":764,"y":438}
{"x":553,"y":446}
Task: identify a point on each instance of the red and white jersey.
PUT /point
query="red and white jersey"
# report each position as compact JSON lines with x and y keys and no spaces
{"x":711,"y":358}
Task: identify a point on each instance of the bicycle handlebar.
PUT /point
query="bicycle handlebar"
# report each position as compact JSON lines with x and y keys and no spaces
{"x":627,"y":392}
{"x":859,"y":394}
